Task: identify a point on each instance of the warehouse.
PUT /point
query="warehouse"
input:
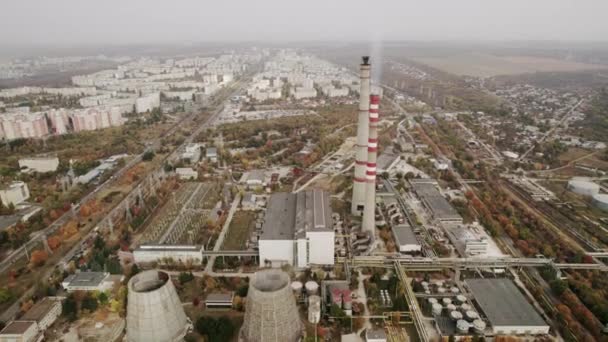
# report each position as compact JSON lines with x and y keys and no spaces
{"x":218,"y":300}
{"x":439,"y":207}
{"x":298,"y":230}
{"x":405,"y":238}
{"x":506,"y":307}
{"x":167,"y":254}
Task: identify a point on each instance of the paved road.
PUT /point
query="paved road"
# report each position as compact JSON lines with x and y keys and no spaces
{"x":220,"y":239}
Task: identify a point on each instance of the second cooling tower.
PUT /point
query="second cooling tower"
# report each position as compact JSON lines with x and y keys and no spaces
{"x":271,"y":313}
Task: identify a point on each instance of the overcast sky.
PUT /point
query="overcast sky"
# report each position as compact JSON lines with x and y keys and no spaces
{"x":28,"y":22}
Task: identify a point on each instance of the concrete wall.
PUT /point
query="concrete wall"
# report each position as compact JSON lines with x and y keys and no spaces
{"x":321,"y":247}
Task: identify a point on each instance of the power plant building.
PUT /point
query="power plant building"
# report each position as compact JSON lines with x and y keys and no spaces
{"x":298,"y":230}
{"x":506,"y":307}
{"x":271,"y":314}
{"x":154,"y":311}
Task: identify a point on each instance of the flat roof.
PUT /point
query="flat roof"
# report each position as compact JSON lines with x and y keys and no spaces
{"x":40,"y":309}
{"x":404,"y":235}
{"x":8,"y":221}
{"x":86,"y":278}
{"x":17,"y":327}
{"x":220,"y":297}
{"x":441,"y":208}
{"x":503,"y":303}
{"x":291,"y":215}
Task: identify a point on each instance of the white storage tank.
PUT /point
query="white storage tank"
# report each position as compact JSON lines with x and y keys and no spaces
{"x":311,"y":287}
{"x":465,"y":307}
{"x":600,"y":201}
{"x":455,"y":315}
{"x":471,"y":315}
{"x":479,"y":326}
{"x":441,"y":290}
{"x":455,"y":290}
{"x":431,"y":301}
{"x":462,"y":326}
{"x":314,"y":309}
{"x":436,"y":309}
{"x":460,"y":299}
{"x":296,"y":286}
{"x":451,"y":307}
{"x":583,"y":187}
{"x":446,"y":301}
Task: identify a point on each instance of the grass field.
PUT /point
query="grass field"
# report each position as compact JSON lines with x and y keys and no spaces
{"x":486,"y":65}
{"x":238,"y":232}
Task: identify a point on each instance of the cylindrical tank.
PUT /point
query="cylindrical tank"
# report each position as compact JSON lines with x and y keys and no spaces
{"x":583,"y":187}
{"x":425,"y":284}
{"x":462,"y":326}
{"x":446,"y":301}
{"x":439,"y":283}
{"x":441,"y":290}
{"x":431,"y":302}
{"x":465,"y":307}
{"x":461,"y":299}
{"x":296,"y":287}
{"x":450,"y":307}
{"x":311,"y":287}
{"x":455,"y":315}
{"x":314,"y":309}
{"x":471,"y":315}
{"x":436,"y":309}
{"x":454,"y":290}
{"x":479,"y":326}
{"x":600,"y":201}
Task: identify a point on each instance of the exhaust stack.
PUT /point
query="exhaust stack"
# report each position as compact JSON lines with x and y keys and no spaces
{"x":369,"y":212}
{"x":359,"y":184}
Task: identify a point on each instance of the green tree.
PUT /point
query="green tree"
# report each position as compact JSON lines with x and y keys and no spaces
{"x":5,"y":295}
{"x":89,"y":303}
{"x":70,"y":308}
{"x":185,"y":277}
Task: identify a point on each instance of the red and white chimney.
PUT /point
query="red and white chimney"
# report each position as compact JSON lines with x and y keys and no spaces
{"x":359,"y":184}
{"x":369,"y":210}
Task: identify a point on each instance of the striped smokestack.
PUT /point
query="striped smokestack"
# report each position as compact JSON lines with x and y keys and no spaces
{"x":369,"y":212}
{"x":358,"y":200}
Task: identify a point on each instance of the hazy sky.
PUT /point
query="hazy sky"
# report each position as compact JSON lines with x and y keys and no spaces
{"x":149,"y":21}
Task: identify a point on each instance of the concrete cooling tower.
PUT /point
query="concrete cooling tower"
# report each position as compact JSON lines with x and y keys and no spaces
{"x":271,"y":314}
{"x":154,"y":311}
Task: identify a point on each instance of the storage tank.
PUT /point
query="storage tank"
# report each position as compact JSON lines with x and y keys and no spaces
{"x":465,"y":307}
{"x":455,"y":290}
{"x":471,"y":315}
{"x":431,"y":302}
{"x":479,"y":326}
{"x":436,"y":309}
{"x":296,"y":287}
{"x":462,"y":326}
{"x":460,"y":299}
{"x":455,"y":315}
{"x":425,"y":284}
{"x":451,"y":307}
{"x":446,"y":301}
{"x":441,"y":290}
{"x":600,"y":201}
{"x":311,"y":287}
{"x":583,"y":187}
{"x":314,"y":309}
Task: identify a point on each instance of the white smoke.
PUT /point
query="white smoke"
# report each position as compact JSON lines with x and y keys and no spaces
{"x":376,"y":52}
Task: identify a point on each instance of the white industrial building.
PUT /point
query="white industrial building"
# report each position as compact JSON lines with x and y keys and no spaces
{"x":88,"y":281}
{"x":15,"y":193}
{"x":42,"y":164}
{"x":405,"y":239}
{"x":186,"y":173}
{"x":506,"y":308}
{"x":192,"y":152}
{"x":45,"y":312}
{"x":298,"y":230}
{"x":166,"y":254}
{"x":21,"y":331}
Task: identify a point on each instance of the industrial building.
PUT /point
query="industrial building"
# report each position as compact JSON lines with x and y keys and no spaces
{"x":405,"y":238}
{"x":583,"y":187}
{"x":298,"y":229}
{"x":432,"y":199}
{"x":166,"y":254}
{"x":21,"y":331}
{"x":271,"y":313}
{"x":14,"y":193}
{"x":88,"y":281}
{"x":506,"y":308}
{"x":154,"y":311}
{"x":600,"y":201}
{"x":44,"y":313}
{"x":219,"y":300}
{"x":41,"y":164}
{"x":186,"y":173}
{"x":467,"y":240}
